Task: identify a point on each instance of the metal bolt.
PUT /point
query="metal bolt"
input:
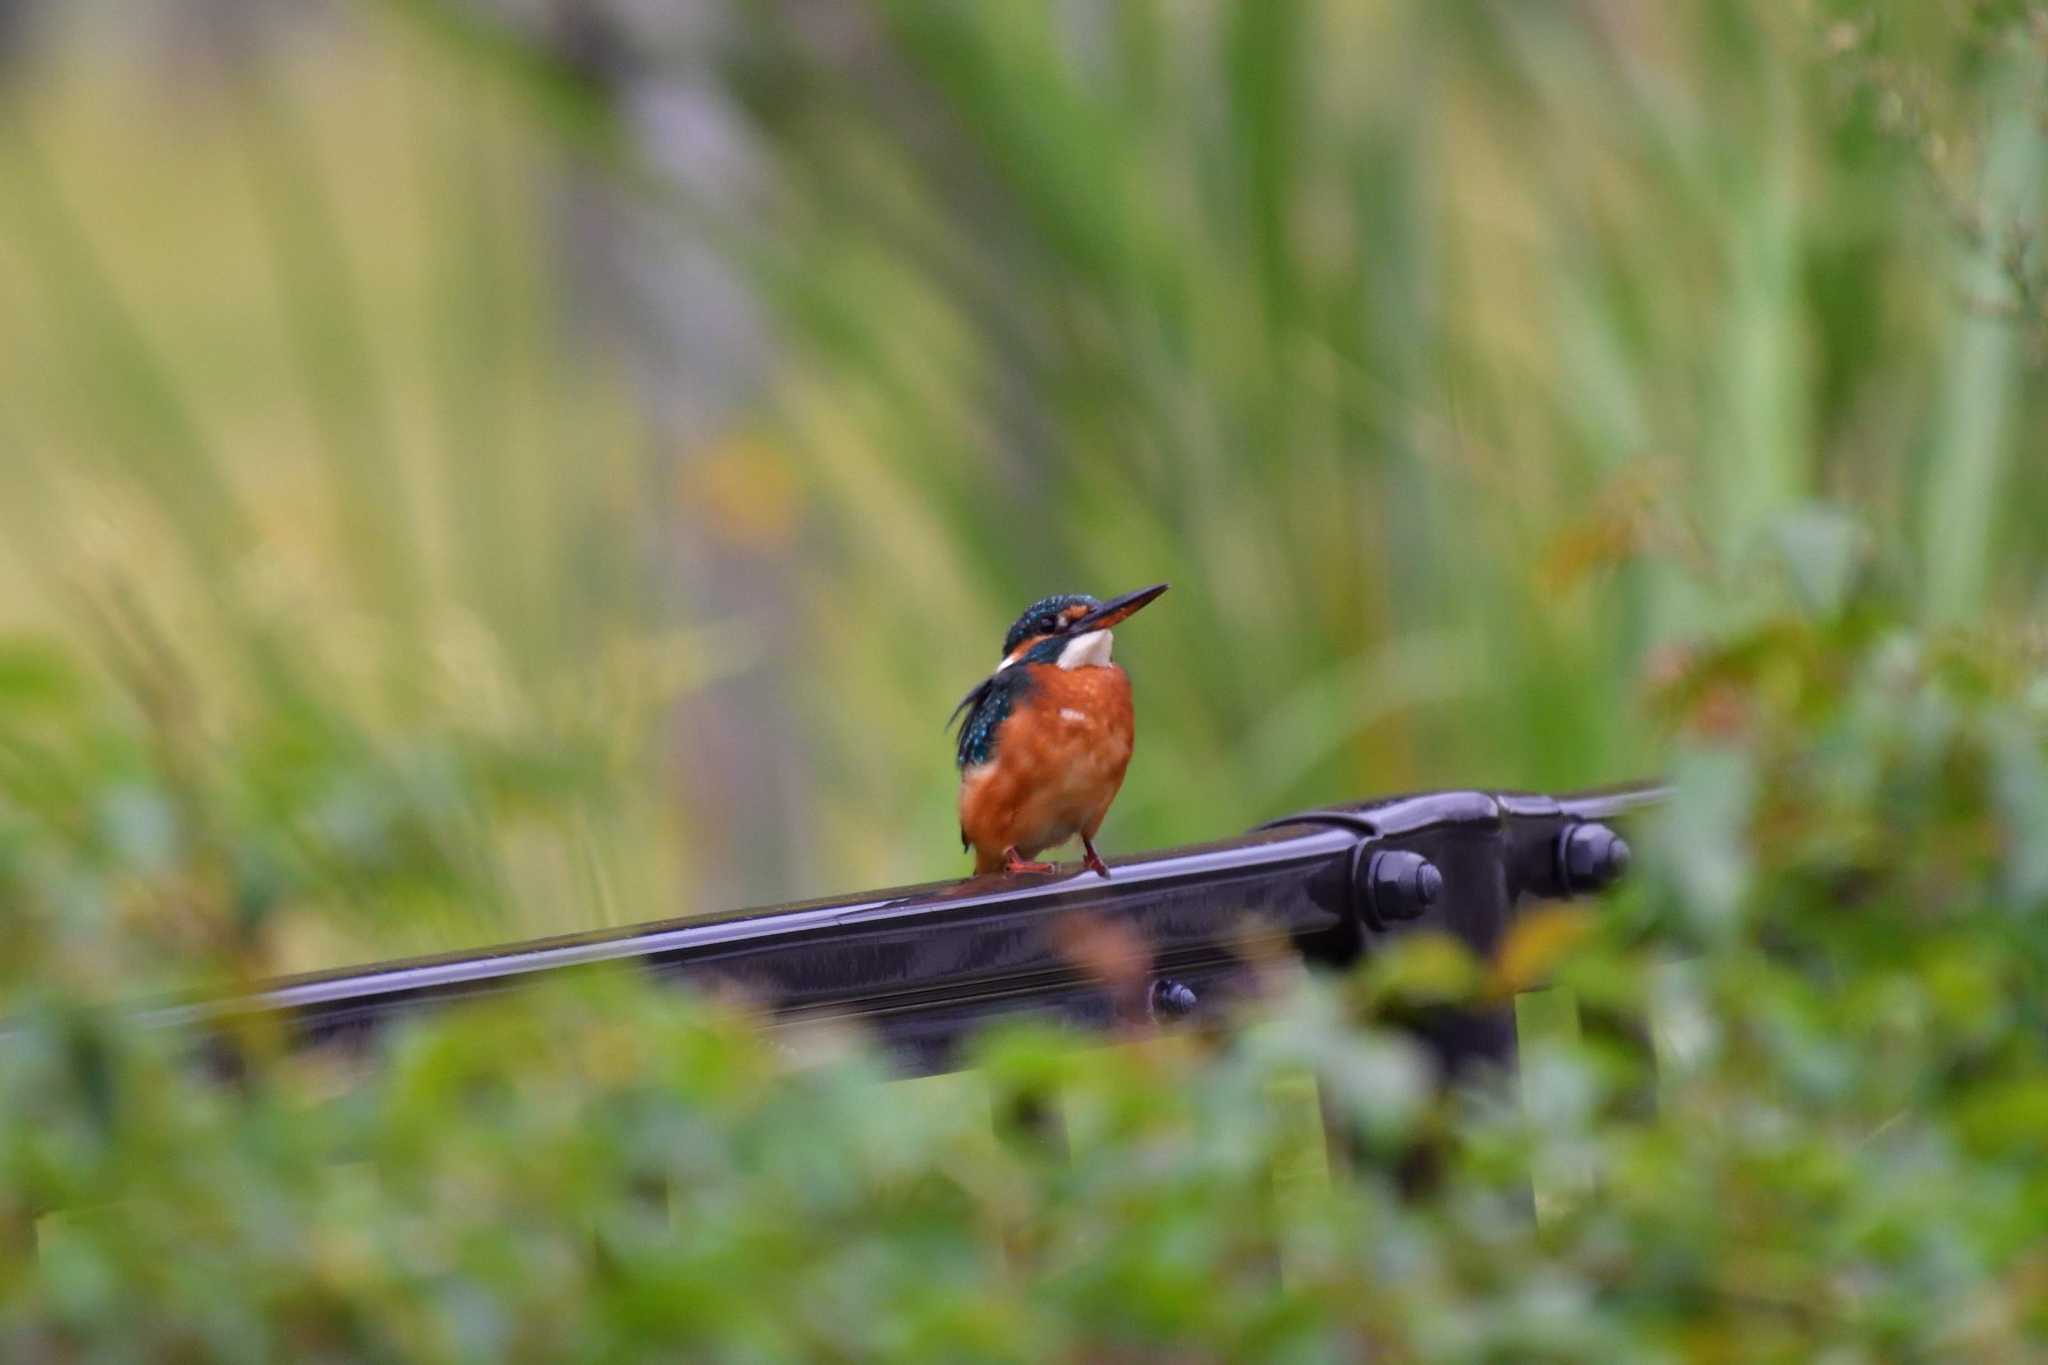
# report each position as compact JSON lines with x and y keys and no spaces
{"x":1400,"y":885}
{"x":1172,"y":1000}
{"x":1590,"y":857}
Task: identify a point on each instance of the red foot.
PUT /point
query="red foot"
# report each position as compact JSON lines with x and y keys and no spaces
{"x":1013,"y":861}
{"x":1091,"y":859}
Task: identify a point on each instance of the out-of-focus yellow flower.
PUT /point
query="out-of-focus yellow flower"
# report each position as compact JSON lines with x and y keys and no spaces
{"x":744,"y":492}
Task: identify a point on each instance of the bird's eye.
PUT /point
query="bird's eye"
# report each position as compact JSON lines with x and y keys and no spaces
{"x":1047,"y":622}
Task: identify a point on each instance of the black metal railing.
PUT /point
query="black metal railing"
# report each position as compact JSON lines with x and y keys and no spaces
{"x":925,"y":966}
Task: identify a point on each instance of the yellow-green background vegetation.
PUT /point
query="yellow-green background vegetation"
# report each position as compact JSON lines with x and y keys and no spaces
{"x":1457,"y":363}
{"x":468,"y":472}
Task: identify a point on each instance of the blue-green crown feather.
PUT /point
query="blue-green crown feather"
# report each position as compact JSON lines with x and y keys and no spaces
{"x":1044,"y":616}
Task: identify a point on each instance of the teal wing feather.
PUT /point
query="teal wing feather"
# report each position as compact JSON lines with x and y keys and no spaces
{"x":986,"y":708}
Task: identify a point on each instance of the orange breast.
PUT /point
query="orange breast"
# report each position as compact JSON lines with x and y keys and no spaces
{"x":1059,"y":761}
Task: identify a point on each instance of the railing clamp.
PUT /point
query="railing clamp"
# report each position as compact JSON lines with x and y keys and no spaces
{"x":1387,"y":885}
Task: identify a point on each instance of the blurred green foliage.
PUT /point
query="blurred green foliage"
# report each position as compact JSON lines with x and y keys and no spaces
{"x":1839,"y":947}
{"x":1515,"y":394}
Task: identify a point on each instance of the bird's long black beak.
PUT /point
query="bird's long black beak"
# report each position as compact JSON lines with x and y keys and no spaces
{"x":1115,"y":610}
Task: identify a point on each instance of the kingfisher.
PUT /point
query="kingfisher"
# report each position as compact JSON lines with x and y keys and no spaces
{"x":1045,"y":739}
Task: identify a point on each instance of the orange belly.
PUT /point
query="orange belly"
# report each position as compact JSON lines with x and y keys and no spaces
{"x":1057,"y":766}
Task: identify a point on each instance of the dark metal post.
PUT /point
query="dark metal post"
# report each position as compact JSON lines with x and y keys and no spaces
{"x":1462,"y":863}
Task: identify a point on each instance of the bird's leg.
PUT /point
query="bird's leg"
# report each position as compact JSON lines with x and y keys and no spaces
{"x":1013,"y":861}
{"x":1093,"y":860}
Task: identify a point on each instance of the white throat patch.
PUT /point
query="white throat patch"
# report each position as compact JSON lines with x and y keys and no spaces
{"x":1086,"y":651}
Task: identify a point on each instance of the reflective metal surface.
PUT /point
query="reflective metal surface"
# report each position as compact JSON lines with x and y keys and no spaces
{"x":925,"y":965}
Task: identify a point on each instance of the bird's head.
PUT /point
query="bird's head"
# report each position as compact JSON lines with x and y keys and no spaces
{"x":1071,"y":626}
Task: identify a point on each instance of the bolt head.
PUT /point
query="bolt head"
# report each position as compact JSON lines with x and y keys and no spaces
{"x":1429,"y":884}
{"x":1595,"y":857}
{"x":1172,"y":999}
{"x":1402,"y":885}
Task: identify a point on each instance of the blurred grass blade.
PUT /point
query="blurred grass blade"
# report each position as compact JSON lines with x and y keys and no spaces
{"x":1963,"y":473}
{"x":147,"y":426}
{"x":316,"y":289}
